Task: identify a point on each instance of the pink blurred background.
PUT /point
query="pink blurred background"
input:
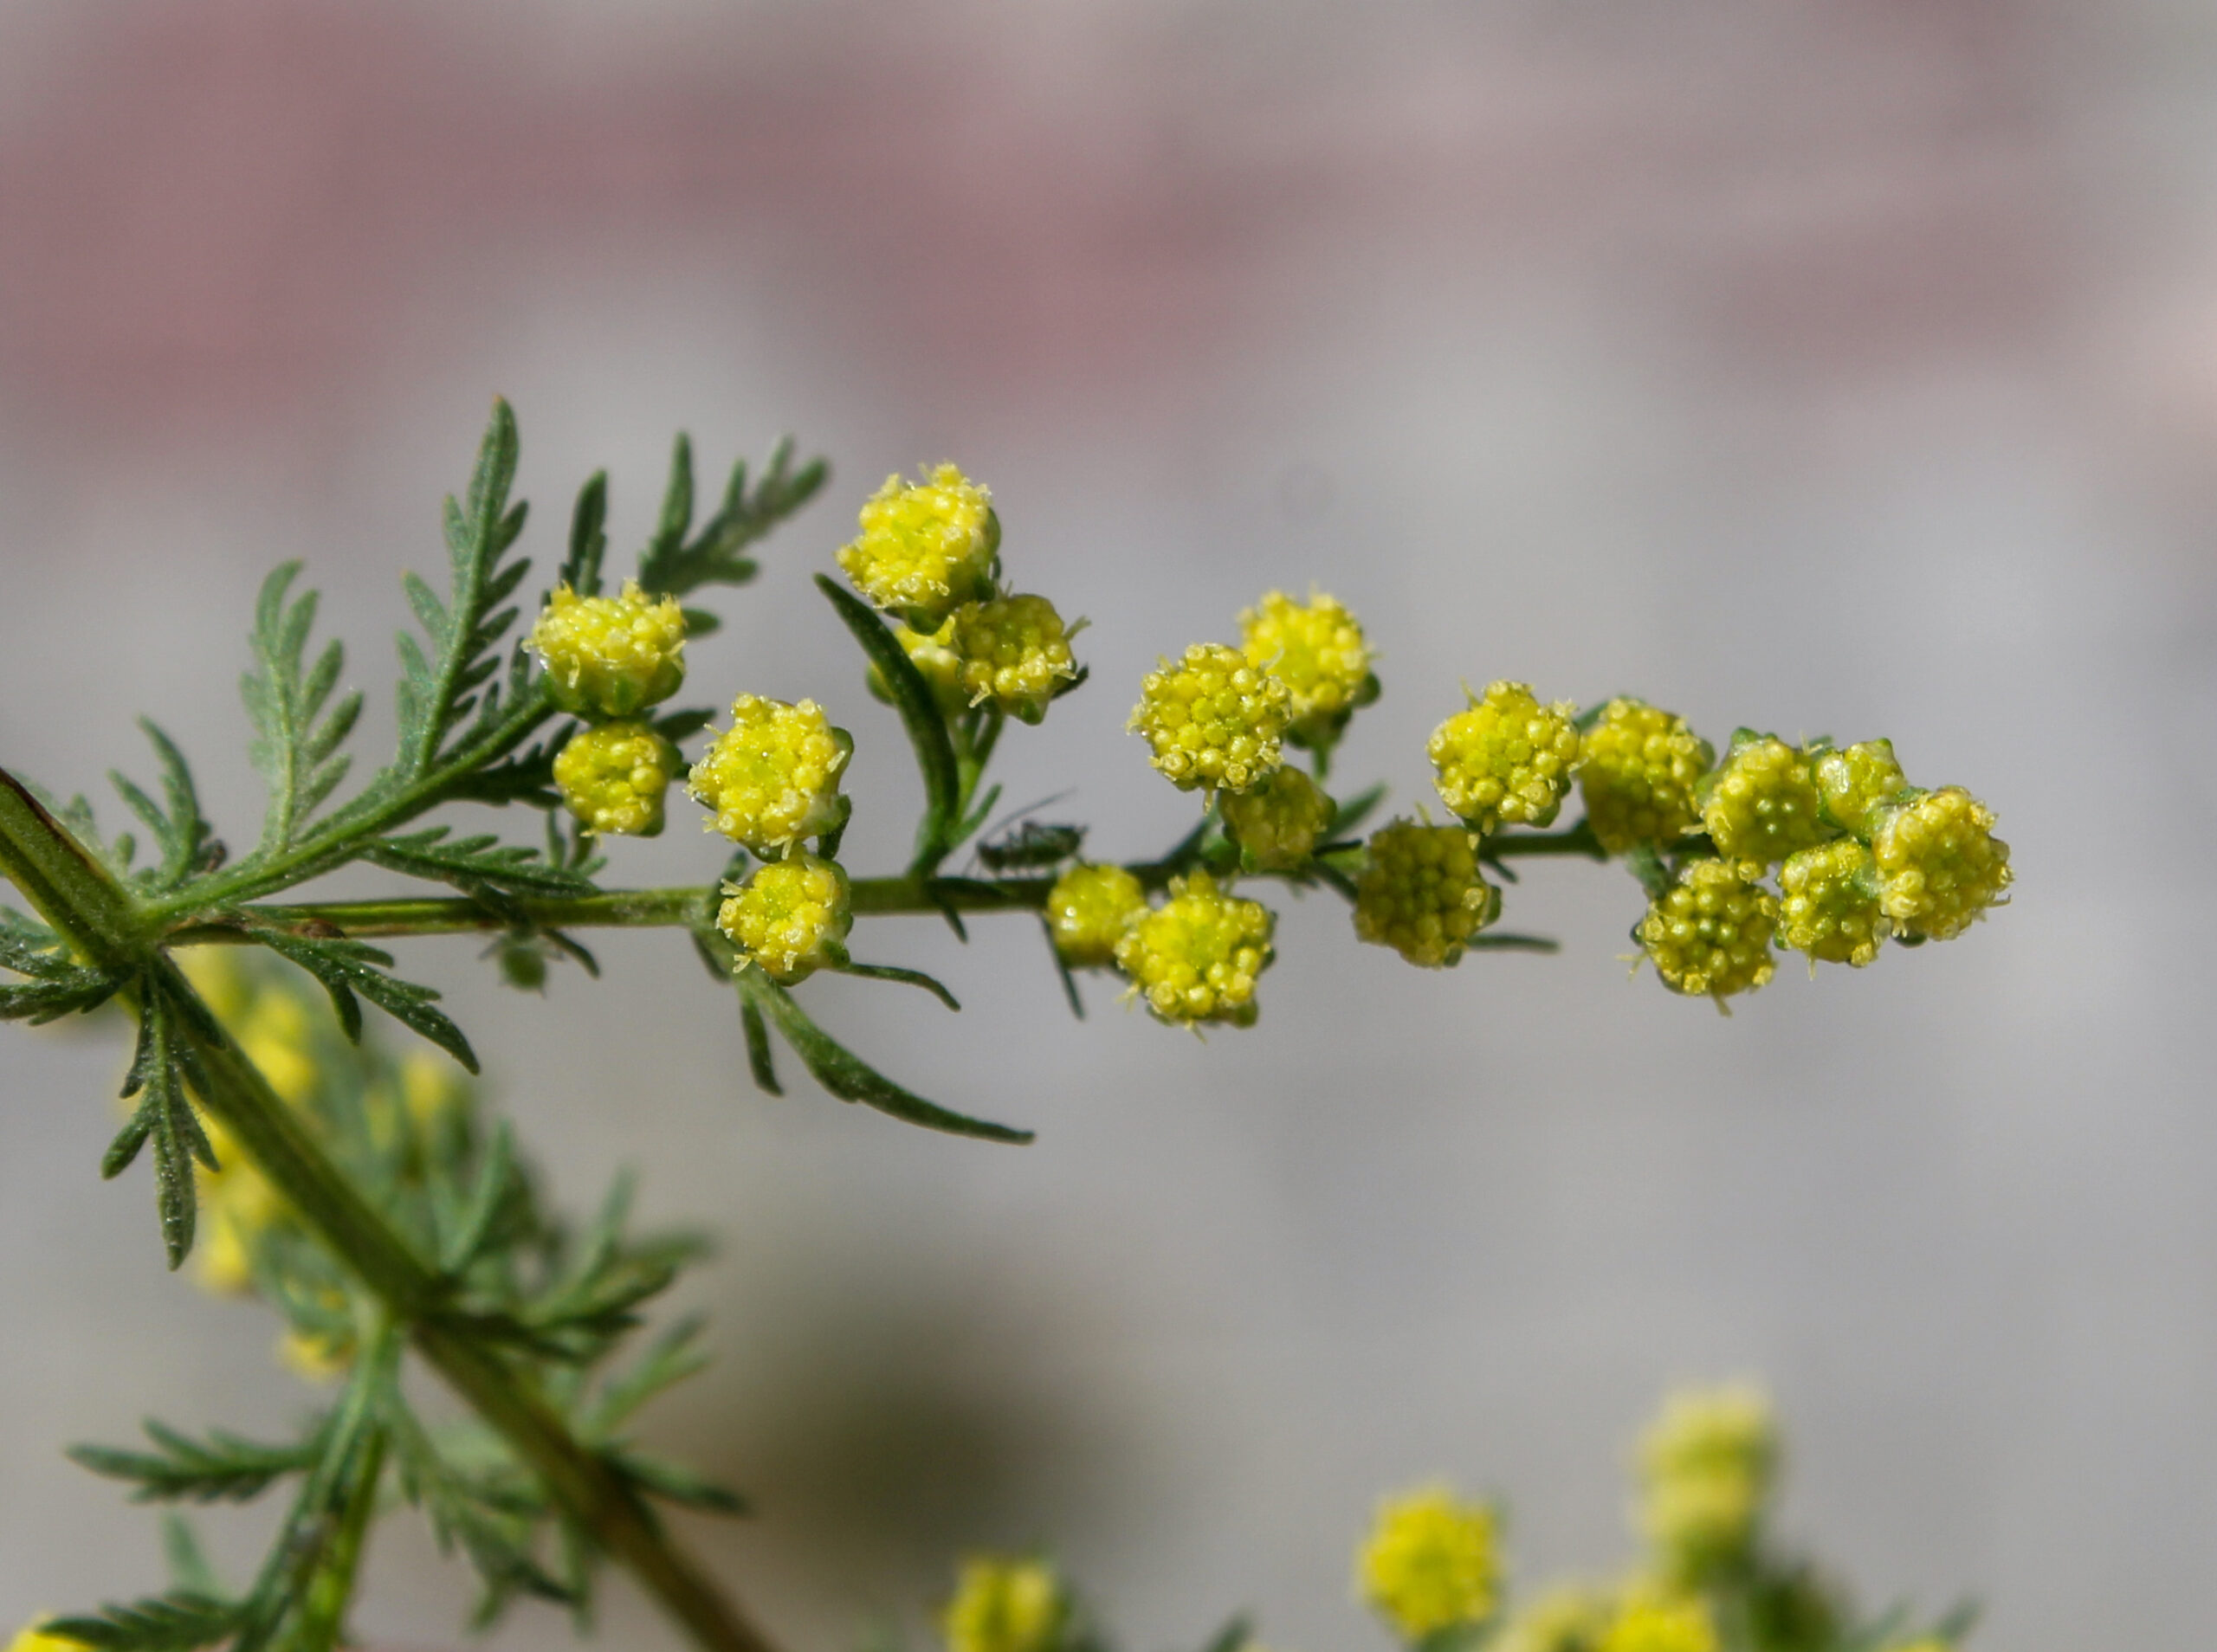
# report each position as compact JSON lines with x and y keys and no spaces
{"x":1847,"y":368}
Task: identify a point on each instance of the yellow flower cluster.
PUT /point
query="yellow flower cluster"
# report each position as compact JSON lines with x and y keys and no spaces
{"x":1089,"y":910}
{"x":610,"y":656}
{"x":614,"y":776}
{"x":1637,"y":771}
{"x":1317,"y":650}
{"x":1421,"y":893}
{"x":1709,"y":932}
{"x":1507,"y":759}
{"x":1276,"y":824}
{"x":1707,"y":1468}
{"x":1013,"y":652}
{"x":926,"y":547}
{"x":1855,"y":780}
{"x":1829,"y":906}
{"x":1002,"y":1604}
{"x":1763,"y":804}
{"x":1431,"y":1563}
{"x":790,"y":917}
{"x":1214,"y":719}
{"x":1942,"y":865}
{"x":1195,"y":958}
{"x":771,"y":779}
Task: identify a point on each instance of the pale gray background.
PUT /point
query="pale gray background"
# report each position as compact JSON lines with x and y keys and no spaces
{"x":1834,"y":367}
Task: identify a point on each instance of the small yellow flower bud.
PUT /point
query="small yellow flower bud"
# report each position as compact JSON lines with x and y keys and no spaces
{"x":1655,"y":1626}
{"x":1195,"y":958}
{"x":1318,"y":651}
{"x":1637,"y":770}
{"x":1830,"y":909}
{"x":1568,"y":1618}
{"x":611,"y":656}
{"x":316,"y":1359}
{"x":1213,"y":719}
{"x":1710,"y":933}
{"x":1707,"y":1464}
{"x":1942,"y":865}
{"x":1507,"y":759}
{"x":936,"y":662}
{"x":1088,"y":912}
{"x":1276,"y":824}
{"x":1855,"y":780}
{"x":790,"y":917}
{"x":1763,"y":804}
{"x":1014,"y":652}
{"x":773,"y":778}
{"x":926,"y":546}
{"x":1430,"y":1563}
{"x":1422,"y":893}
{"x":614,"y":775}
{"x":1005,"y":1605}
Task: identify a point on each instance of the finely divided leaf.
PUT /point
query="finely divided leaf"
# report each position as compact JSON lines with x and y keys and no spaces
{"x":839,"y":1070}
{"x":173,"y":1622}
{"x":588,"y":536}
{"x":223,"y":1469}
{"x":475,"y":864}
{"x":181,"y":832}
{"x":164,"y":1116}
{"x":297,"y":740}
{"x":348,"y":967}
{"x":674,"y":564}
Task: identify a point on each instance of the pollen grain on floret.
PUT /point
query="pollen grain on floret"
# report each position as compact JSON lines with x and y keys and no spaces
{"x":1422,"y":893}
{"x":771,"y":779}
{"x":1318,"y":650}
{"x":790,"y":917}
{"x":926,"y":546}
{"x":1087,"y":911}
{"x":1276,"y":824}
{"x":1432,"y":1562}
{"x":1638,"y":767}
{"x":1195,"y":959}
{"x":1941,"y":863}
{"x":1763,"y":804}
{"x":1002,"y":1603}
{"x":1506,"y":759}
{"x":1709,"y":933}
{"x":1214,"y":719}
{"x":611,"y":656}
{"x":613,"y":777}
{"x":1829,"y":905}
{"x":1854,"y":780}
{"x":1013,"y":652}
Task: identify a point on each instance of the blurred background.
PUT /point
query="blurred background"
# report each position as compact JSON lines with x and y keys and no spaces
{"x":1843,"y":368}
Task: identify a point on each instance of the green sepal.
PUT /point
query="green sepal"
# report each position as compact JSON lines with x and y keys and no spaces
{"x":919,"y":717}
{"x":847,"y":1076}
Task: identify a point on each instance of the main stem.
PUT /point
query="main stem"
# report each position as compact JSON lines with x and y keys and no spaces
{"x":104,"y":926}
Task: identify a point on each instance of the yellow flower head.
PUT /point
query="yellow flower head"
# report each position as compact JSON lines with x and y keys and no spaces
{"x":1710,"y":932}
{"x":1422,"y":893}
{"x":611,"y":656}
{"x":1430,"y":1563}
{"x":614,"y":776}
{"x":791,"y":917}
{"x":1659,"y":1626}
{"x":316,"y":1359}
{"x":1005,"y":1605}
{"x":1567,"y":1618}
{"x":1088,"y":912}
{"x":1213,"y":719}
{"x":1941,"y":863}
{"x":1762,"y":805}
{"x":237,"y":1207}
{"x":1507,"y":759}
{"x":1318,"y":650}
{"x":1707,"y":1467}
{"x":926,"y":546}
{"x":1015,"y":652}
{"x":1830,"y":909}
{"x":1855,"y":780}
{"x":773,"y":778}
{"x":1276,"y":824}
{"x":932,"y":655}
{"x":1637,"y":770}
{"x":1195,"y":958}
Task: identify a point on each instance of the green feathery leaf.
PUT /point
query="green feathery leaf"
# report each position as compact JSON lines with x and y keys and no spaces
{"x":224,"y":1468}
{"x":674,"y":564}
{"x":475,"y":864}
{"x":296,"y":745}
{"x":919,"y":716}
{"x":174,"y":1623}
{"x":348,"y":967}
{"x":181,"y":832}
{"x":164,"y":1116}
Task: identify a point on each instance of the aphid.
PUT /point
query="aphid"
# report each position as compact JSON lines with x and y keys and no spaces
{"x":1031,"y":844}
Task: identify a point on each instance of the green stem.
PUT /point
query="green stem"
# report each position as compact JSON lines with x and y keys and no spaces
{"x":73,"y":895}
{"x":331,"y":1592}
